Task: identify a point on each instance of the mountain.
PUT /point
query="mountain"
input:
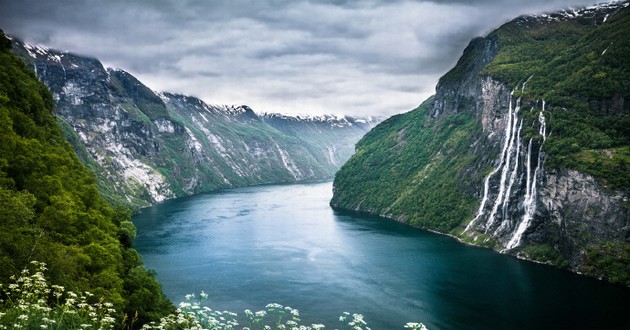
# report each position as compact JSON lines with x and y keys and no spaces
{"x":146,"y":146}
{"x":525,"y":147}
{"x":51,"y":210}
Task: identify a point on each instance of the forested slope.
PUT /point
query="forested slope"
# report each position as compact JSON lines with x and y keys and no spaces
{"x":51,"y":209}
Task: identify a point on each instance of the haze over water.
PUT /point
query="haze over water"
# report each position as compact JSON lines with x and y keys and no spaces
{"x":248,"y":247}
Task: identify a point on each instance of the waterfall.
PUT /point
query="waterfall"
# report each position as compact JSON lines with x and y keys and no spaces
{"x":486,"y":185}
{"x":543,"y":126}
{"x":509,"y":160}
{"x":506,"y":201}
{"x":512,"y":131}
{"x":529,"y":204}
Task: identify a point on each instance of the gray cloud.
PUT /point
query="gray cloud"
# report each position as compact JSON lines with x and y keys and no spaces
{"x":356,"y":57}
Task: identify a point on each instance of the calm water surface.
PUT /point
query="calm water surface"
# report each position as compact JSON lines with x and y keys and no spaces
{"x":251,"y":246}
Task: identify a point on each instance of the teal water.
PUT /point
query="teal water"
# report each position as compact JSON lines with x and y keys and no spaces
{"x":283,"y":244}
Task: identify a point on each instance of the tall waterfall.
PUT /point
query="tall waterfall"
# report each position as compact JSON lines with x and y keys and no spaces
{"x":506,"y":145}
{"x":510,"y":164}
{"x":513,"y":153}
{"x":529,"y":204}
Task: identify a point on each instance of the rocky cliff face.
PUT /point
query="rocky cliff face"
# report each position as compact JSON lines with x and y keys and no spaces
{"x":146,"y":147}
{"x":500,"y":163}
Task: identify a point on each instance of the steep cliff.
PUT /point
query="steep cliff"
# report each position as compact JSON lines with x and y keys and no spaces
{"x":524,"y":147}
{"x":146,"y":147}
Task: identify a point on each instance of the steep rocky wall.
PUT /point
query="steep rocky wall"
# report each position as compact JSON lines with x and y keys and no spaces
{"x":556,"y":216}
{"x":579,"y":217}
{"x":146,"y":147}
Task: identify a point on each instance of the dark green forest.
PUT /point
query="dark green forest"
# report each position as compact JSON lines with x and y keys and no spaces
{"x":51,"y":210}
{"x":408,"y":167}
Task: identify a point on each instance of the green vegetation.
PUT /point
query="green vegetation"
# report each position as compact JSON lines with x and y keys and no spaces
{"x":609,"y":260}
{"x":582,"y":71}
{"x":545,"y":253}
{"x":32,"y":303}
{"x":52,"y":211}
{"x":410,"y":168}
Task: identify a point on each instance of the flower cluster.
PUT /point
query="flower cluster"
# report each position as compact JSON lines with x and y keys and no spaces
{"x":414,"y":325}
{"x":354,"y":323}
{"x":31,"y":303}
{"x":275,"y":316}
{"x":192,"y":315}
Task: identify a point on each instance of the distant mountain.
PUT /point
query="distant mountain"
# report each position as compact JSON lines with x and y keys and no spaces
{"x":525,"y":148}
{"x":146,"y":146}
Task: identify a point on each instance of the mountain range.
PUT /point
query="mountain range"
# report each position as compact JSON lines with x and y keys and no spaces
{"x":145,"y":146}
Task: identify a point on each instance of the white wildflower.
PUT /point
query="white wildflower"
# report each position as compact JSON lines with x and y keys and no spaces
{"x":414,"y":325}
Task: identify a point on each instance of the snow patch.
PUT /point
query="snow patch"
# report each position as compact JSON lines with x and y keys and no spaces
{"x":164,"y":125}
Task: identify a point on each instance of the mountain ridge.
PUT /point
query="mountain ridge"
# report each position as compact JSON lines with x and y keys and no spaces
{"x":147,"y":146}
{"x":523,"y":148}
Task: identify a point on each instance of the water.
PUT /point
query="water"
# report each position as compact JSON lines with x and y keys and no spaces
{"x":251,"y":246}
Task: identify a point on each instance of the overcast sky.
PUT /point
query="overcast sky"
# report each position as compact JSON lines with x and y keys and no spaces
{"x":319,"y":56}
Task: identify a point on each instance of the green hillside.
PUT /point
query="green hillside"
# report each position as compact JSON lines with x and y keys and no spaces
{"x":428,"y":167}
{"x":407,"y":168}
{"x":51,"y":210}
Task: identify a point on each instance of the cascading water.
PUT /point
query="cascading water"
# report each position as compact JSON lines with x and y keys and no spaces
{"x":509,"y":166}
{"x":506,"y":201}
{"x":486,"y":185}
{"x":509,"y":156}
{"x":529,"y":204}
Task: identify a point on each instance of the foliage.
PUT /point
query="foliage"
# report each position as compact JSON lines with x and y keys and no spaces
{"x":545,"y":253}
{"x":410,"y":168}
{"x":50,"y":205}
{"x":467,"y":62}
{"x":191,"y":314}
{"x":609,"y":260}
{"x":582,"y":70}
{"x":30,"y":303}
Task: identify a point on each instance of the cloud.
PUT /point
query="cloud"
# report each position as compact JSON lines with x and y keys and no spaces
{"x":356,"y":57}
